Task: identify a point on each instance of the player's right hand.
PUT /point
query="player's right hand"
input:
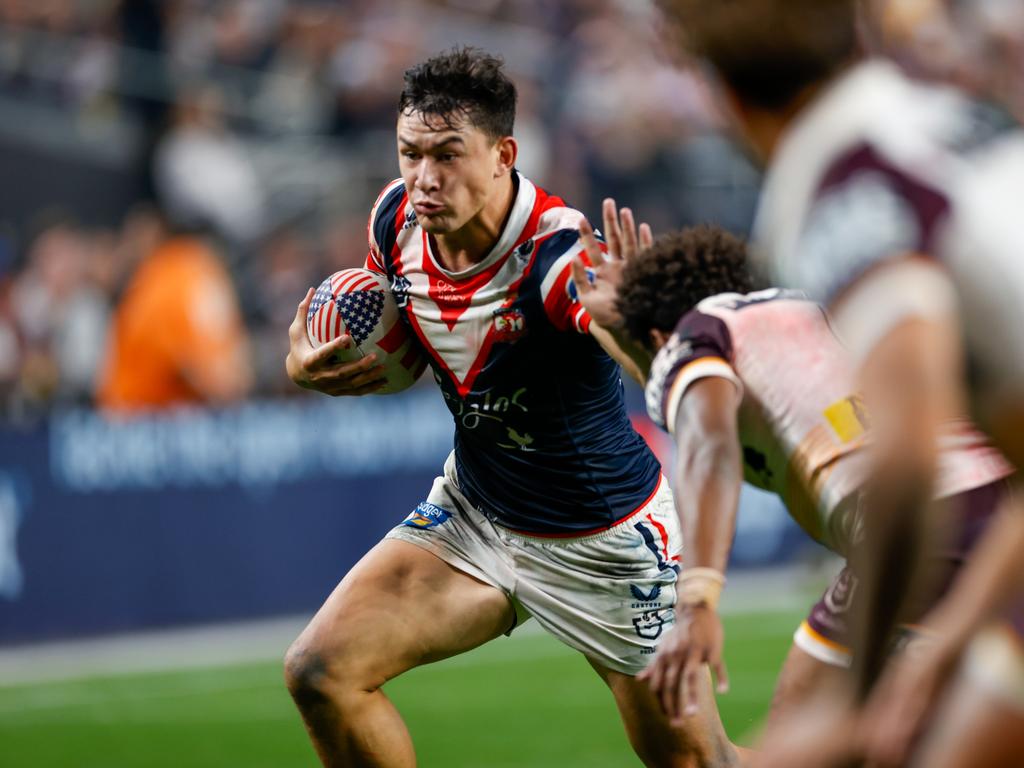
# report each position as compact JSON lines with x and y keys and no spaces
{"x":318,"y":369}
{"x":677,"y":672}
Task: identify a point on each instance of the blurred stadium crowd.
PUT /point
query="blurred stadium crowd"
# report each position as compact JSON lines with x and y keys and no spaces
{"x":250,"y":134}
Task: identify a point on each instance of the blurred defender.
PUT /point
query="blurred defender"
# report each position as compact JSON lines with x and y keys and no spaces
{"x":754,"y":385}
{"x":897,"y":205}
{"x":551,"y":505}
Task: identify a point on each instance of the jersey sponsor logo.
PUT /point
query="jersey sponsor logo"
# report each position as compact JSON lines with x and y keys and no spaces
{"x":492,"y":407}
{"x":426,"y":515}
{"x":650,"y":624}
{"x":848,"y":418}
{"x":509,"y":325}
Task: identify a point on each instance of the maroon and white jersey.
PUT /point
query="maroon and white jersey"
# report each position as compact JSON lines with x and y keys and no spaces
{"x":801,"y":425}
{"x":882,"y":168}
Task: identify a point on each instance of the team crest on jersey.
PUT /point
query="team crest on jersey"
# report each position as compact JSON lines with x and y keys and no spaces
{"x":570,"y":285}
{"x":426,"y":515}
{"x":509,"y":324}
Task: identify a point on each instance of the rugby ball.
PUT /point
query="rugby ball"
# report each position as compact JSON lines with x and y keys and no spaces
{"x":359,"y":302}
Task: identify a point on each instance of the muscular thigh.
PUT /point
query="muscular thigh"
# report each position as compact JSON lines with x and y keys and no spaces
{"x":400,"y":607}
{"x":803,"y":679}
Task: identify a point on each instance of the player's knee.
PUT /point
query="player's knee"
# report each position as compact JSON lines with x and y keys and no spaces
{"x":306,"y":673}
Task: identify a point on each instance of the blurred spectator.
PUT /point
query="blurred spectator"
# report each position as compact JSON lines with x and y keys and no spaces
{"x":270,"y":123}
{"x":177,"y":335}
{"x":204,"y":176}
{"x":61,"y":313}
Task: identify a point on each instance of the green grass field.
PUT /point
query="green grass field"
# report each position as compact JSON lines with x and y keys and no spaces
{"x":527,"y":701}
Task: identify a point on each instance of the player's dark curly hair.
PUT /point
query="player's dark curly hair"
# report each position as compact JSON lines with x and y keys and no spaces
{"x":664,"y":282}
{"x":462,"y":84}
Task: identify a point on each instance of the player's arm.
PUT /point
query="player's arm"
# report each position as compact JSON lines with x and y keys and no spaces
{"x":912,"y":684}
{"x":708,"y":475}
{"x":598,"y":288}
{"x":317,"y":368}
{"x":901,"y":324}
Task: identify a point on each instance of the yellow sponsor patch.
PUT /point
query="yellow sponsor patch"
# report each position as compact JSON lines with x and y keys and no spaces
{"x":847,"y":418}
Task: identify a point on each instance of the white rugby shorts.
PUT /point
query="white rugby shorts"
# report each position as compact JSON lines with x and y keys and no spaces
{"x":610,"y":595}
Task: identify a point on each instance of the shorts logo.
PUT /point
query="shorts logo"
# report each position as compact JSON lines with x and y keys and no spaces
{"x":649,"y":625}
{"x":642,"y":596}
{"x":426,"y":515}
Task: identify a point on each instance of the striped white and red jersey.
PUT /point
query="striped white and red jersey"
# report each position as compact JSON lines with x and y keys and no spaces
{"x":543,"y":442}
{"x":801,"y":425}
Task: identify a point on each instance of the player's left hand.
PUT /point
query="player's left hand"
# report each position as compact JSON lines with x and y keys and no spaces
{"x":598,"y":288}
{"x":676,"y":673}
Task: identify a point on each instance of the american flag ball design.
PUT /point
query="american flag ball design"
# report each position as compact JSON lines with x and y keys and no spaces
{"x":360,"y":303}
{"x":345,"y":302}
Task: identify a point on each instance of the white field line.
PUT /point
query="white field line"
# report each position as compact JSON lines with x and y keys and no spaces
{"x":267,"y":640}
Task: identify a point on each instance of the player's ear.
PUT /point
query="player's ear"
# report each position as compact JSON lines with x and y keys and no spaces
{"x":508,"y":151}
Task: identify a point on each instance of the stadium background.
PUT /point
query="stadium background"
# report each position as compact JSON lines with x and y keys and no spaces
{"x":146,"y":562}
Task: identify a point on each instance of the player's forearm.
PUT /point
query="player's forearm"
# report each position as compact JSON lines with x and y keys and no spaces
{"x":909,"y":383}
{"x":992,"y":579}
{"x":709,"y":475}
{"x":634,"y":359}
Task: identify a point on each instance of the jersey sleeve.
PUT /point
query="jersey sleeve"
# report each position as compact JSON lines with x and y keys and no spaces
{"x":700,"y":347}
{"x":867,"y":213}
{"x":561,"y":300}
{"x":380,"y":228}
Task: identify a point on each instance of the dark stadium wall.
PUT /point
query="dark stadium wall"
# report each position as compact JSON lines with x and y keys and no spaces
{"x":201,"y":517}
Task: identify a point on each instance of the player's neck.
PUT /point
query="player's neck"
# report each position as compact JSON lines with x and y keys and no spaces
{"x":764,"y":128}
{"x":458,"y":251}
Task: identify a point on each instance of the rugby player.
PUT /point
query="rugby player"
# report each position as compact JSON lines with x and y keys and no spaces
{"x":895,"y":203}
{"x":550,"y":506}
{"x":755,"y":386}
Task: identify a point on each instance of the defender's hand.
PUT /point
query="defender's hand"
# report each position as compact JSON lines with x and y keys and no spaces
{"x":598,"y":291}
{"x":317,"y":368}
{"x":676,"y":673}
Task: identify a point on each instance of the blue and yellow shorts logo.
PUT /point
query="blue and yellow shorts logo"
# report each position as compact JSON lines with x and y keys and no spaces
{"x":426,"y":515}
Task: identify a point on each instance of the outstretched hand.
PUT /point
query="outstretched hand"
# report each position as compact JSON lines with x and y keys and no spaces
{"x":676,"y":673}
{"x":318,"y":368}
{"x":598,"y":288}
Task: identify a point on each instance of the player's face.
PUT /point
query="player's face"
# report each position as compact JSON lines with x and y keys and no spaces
{"x":450,"y":172}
